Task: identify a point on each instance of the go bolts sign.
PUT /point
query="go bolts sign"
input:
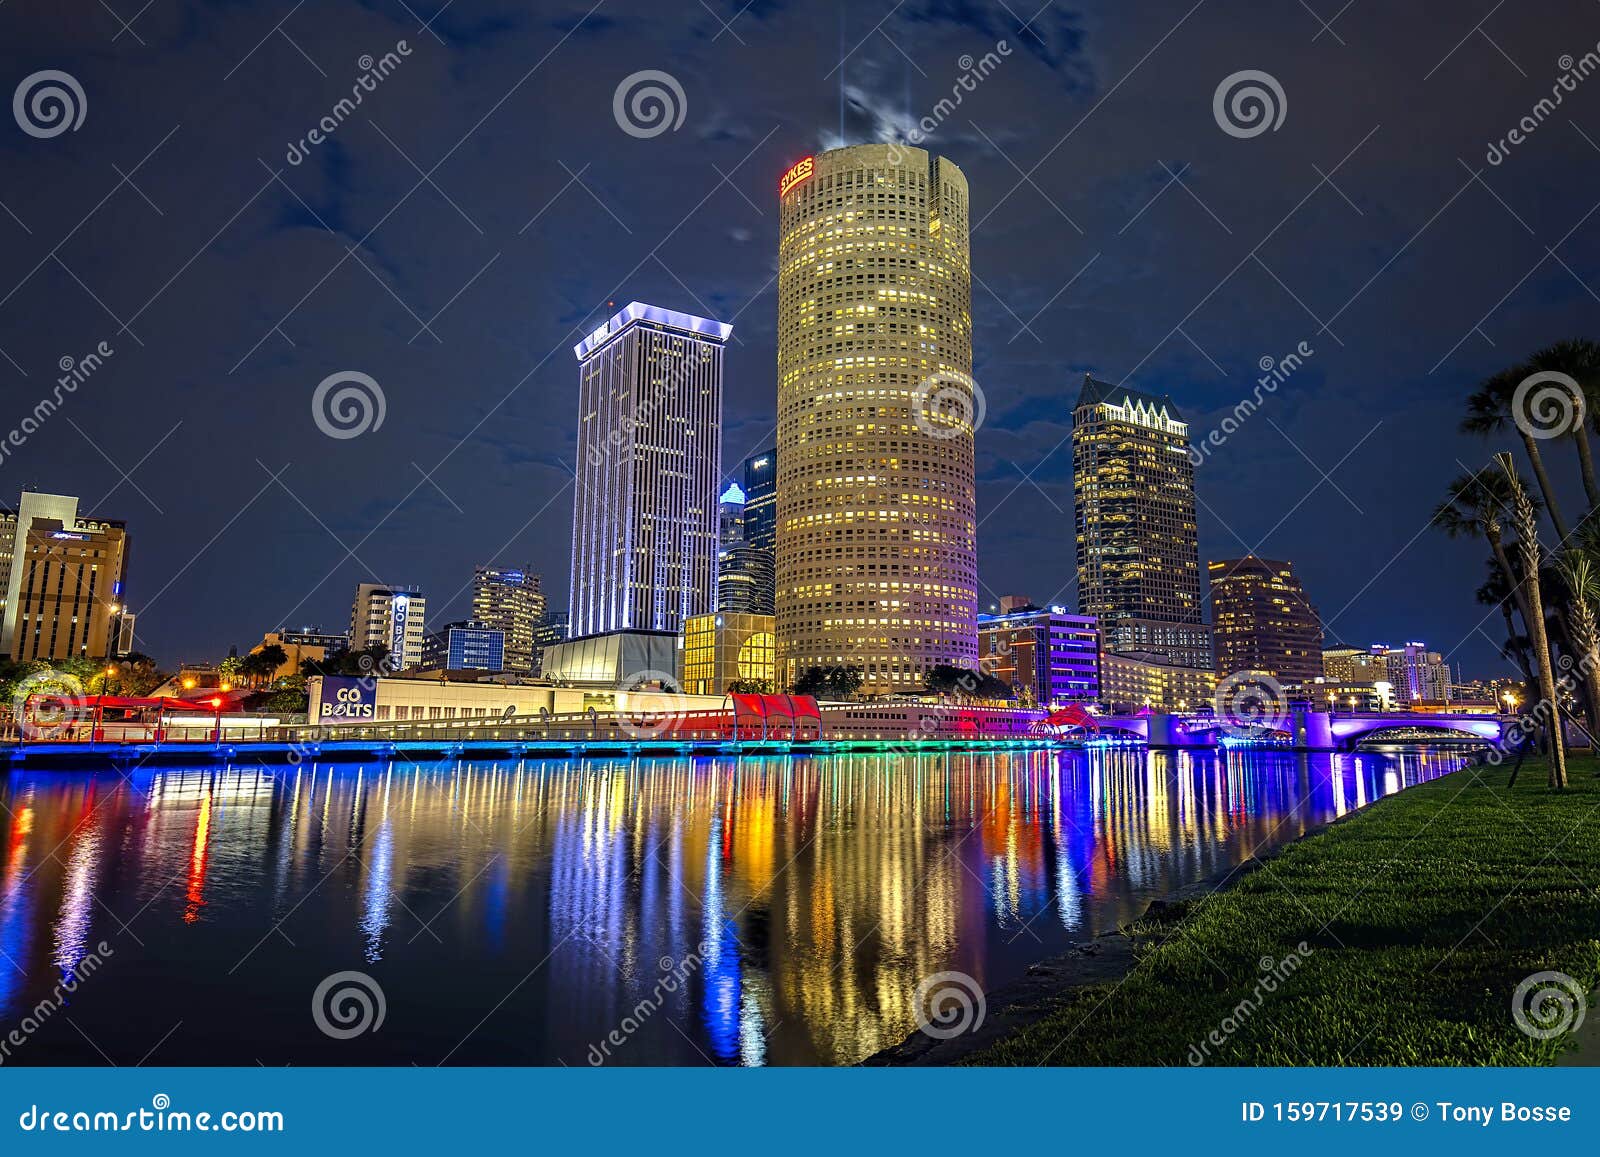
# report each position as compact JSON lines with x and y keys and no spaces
{"x":348,"y":698}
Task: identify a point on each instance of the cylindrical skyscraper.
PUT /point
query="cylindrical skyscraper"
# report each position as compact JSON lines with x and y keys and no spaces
{"x":877,"y":518}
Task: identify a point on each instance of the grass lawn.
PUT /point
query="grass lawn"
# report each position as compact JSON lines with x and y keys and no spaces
{"x":1422,"y":914}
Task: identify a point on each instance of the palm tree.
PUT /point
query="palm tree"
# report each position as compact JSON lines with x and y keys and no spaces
{"x":1579,"y":360}
{"x":1489,"y":411}
{"x":1477,"y":506}
{"x":1526,"y":521}
{"x":1583,"y":592}
{"x":1498,"y":593}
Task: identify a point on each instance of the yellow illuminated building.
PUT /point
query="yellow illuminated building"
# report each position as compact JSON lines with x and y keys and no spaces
{"x":876,"y":558}
{"x":723,"y":649}
{"x":1144,"y":679}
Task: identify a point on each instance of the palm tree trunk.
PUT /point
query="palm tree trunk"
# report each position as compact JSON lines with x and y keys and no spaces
{"x":1546,"y":490}
{"x":1591,"y":488}
{"x":1528,"y":544}
{"x":1503,"y":561}
{"x":1511,"y":644}
{"x":1548,"y":691}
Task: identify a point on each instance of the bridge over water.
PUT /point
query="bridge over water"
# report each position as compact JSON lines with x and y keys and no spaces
{"x":1308,"y":730}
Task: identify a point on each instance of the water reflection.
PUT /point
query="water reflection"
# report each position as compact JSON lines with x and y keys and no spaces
{"x":521,"y":912}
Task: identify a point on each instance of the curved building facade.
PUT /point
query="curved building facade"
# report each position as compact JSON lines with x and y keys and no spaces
{"x":876,"y":514}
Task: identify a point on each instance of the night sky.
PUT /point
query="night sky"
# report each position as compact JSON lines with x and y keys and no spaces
{"x":482,"y":208}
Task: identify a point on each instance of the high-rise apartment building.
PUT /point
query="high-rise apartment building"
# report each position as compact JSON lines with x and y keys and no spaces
{"x":61,"y":582}
{"x":644,"y":517}
{"x":390,"y":617}
{"x":1416,"y":673}
{"x":1138,"y":547}
{"x":510,"y":602}
{"x":1261,"y":620}
{"x":876,"y":514}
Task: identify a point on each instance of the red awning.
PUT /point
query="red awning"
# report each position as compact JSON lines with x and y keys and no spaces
{"x":777,"y":706}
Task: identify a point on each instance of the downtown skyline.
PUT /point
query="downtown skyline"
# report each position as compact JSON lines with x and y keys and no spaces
{"x":490,"y":491}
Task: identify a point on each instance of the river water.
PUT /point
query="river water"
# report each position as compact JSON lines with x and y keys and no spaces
{"x":653,"y":911}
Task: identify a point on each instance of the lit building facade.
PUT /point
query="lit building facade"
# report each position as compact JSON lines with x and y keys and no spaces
{"x":64,"y":579}
{"x":299,"y":646}
{"x":616,"y":660}
{"x":391,"y":617}
{"x":724,"y":650}
{"x":1051,"y":657}
{"x":1261,"y":620}
{"x":464,"y":646}
{"x":1418,"y":674}
{"x":1137,"y":543}
{"x":1343,"y":664}
{"x":744,"y":580}
{"x":876,"y":512}
{"x":61,"y":581}
{"x":644,"y":517}
{"x":1131,"y":681}
{"x":761,"y":499}
{"x":510,"y":602}
{"x":552,"y":629}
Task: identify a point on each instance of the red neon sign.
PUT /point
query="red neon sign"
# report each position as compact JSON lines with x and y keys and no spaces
{"x":797,"y":173}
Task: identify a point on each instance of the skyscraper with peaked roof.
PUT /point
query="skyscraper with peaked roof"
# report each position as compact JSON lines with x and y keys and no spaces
{"x":644,"y":510}
{"x":876,"y":513}
{"x":1134,"y":510}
